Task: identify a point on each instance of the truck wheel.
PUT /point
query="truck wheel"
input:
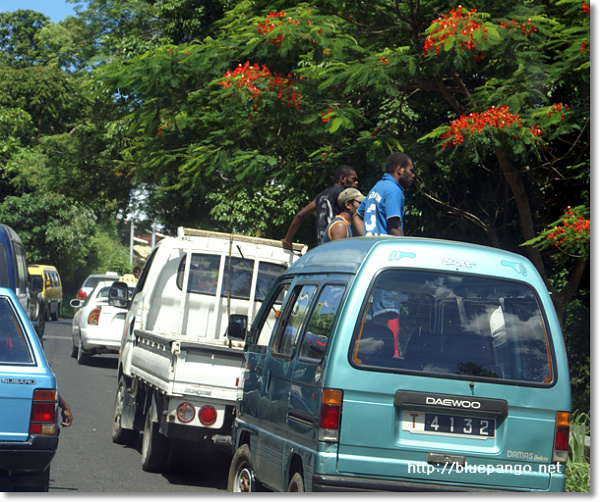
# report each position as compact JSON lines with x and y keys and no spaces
{"x":54,"y":316}
{"x":155,"y":447}
{"x":296,"y":483}
{"x":119,"y":435}
{"x":241,"y":476}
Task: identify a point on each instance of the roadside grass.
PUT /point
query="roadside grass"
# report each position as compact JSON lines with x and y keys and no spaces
{"x":578,"y":466}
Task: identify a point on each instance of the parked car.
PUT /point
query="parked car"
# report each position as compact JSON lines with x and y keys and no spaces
{"x":90,"y":283}
{"x":28,"y":402}
{"x":404,"y":365}
{"x":48,"y":278}
{"x":97,"y":326}
{"x":14,"y":275}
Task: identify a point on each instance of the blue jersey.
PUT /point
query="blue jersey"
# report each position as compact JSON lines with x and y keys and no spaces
{"x":384,"y":201}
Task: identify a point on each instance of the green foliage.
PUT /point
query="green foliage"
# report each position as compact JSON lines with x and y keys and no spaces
{"x":570,"y":234}
{"x":578,"y":472}
{"x":19,"y":47}
{"x":576,"y":331}
{"x":54,"y":230}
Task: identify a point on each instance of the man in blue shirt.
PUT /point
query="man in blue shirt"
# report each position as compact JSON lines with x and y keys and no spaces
{"x":382,"y":211}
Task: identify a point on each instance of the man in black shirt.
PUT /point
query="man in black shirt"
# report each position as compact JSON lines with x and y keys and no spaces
{"x":324,"y":204}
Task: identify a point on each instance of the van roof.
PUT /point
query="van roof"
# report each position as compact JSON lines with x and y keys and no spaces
{"x":8,"y":231}
{"x":347,"y":255}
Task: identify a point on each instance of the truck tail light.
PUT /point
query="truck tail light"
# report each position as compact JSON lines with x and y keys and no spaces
{"x":186,"y":412}
{"x":44,"y":412}
{"x":331,"y":414}
{"x":561,"y":437}
{"x":94,"y":316}
{"x":207,"y":415}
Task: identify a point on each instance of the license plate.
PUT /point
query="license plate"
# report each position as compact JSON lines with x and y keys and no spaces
{"x":418,"y":422}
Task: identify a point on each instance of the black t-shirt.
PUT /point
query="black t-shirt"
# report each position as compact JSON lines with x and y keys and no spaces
{"x":327,"y":209}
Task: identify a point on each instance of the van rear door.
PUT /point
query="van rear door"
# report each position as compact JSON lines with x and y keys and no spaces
{"x":455,"y":382}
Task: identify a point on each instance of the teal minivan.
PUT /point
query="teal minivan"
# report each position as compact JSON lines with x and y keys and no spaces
{"x":403,"y":364}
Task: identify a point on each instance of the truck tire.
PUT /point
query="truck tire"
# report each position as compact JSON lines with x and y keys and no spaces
{"x":241,"y":476}
{"x":155,"y":447}
{"x":119,"y":435}
{"x":54,"y":316}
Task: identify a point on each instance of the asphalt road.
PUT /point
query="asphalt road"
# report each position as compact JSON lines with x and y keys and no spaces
{"x":87,"y":460}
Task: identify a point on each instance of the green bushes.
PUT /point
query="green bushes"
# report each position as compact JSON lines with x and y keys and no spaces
{"x":578,"y":466}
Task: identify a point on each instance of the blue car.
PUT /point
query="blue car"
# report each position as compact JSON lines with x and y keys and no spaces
{"x":28,"y":402}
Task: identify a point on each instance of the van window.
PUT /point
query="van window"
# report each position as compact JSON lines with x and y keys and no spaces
{"x":459,"y":326}
{"x":261,"y":334}
{"x":320,"y":323}
{"x":23,"y":274}
{"x":13,"y":345}
{"x":289,"y":329}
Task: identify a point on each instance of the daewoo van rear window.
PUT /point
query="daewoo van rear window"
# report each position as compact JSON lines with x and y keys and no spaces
{"x":14,"y":348}
{"x":452,"y":325}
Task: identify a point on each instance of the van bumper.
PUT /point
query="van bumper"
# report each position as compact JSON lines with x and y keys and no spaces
{"x":323,"y":483}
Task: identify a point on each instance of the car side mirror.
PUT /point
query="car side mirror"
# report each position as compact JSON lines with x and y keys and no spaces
{"x":76,"y":303}
{"x":238,"y":326}
{"x":117,"y":296}
{"x":36,"y":284}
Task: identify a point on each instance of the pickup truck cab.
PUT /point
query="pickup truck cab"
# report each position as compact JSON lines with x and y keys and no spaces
{"x":404,"y":364}
{"x":178,"y":368}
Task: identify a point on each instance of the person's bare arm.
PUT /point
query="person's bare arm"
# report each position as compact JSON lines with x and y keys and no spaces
{"x":394,"y":227}
{"x":67,"y":416}
{"x":338,"y":231}
{"x":357,"y":224}
{"x":307,"y":210}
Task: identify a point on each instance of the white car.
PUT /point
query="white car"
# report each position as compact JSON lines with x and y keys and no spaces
{"x":97,"y":326}
{"x":91,"y":281}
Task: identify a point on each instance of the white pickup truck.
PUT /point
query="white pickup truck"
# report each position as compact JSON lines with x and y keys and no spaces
{"x":183,"y":339}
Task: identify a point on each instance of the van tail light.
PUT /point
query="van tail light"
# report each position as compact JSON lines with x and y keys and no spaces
{"x":94,"y":316}
{"x":331,"y":414}
{"x":81,"y":295}
{"x":561,"y":437}
{"x":44,"y":412}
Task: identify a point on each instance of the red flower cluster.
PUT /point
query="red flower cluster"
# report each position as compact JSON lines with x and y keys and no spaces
{"x":583,"y":47}
{"x":526,"y":29}
{"x":385,"y":61}
{"x":249,"y":75}
{"x":585,"y":7}
{"x":558,"y":108}
{"x":324,"y":113}
{"x":449,"y":25}
{"x":267,"y":26}
{"x":498,"y":118}
{"x":571,"y":221}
